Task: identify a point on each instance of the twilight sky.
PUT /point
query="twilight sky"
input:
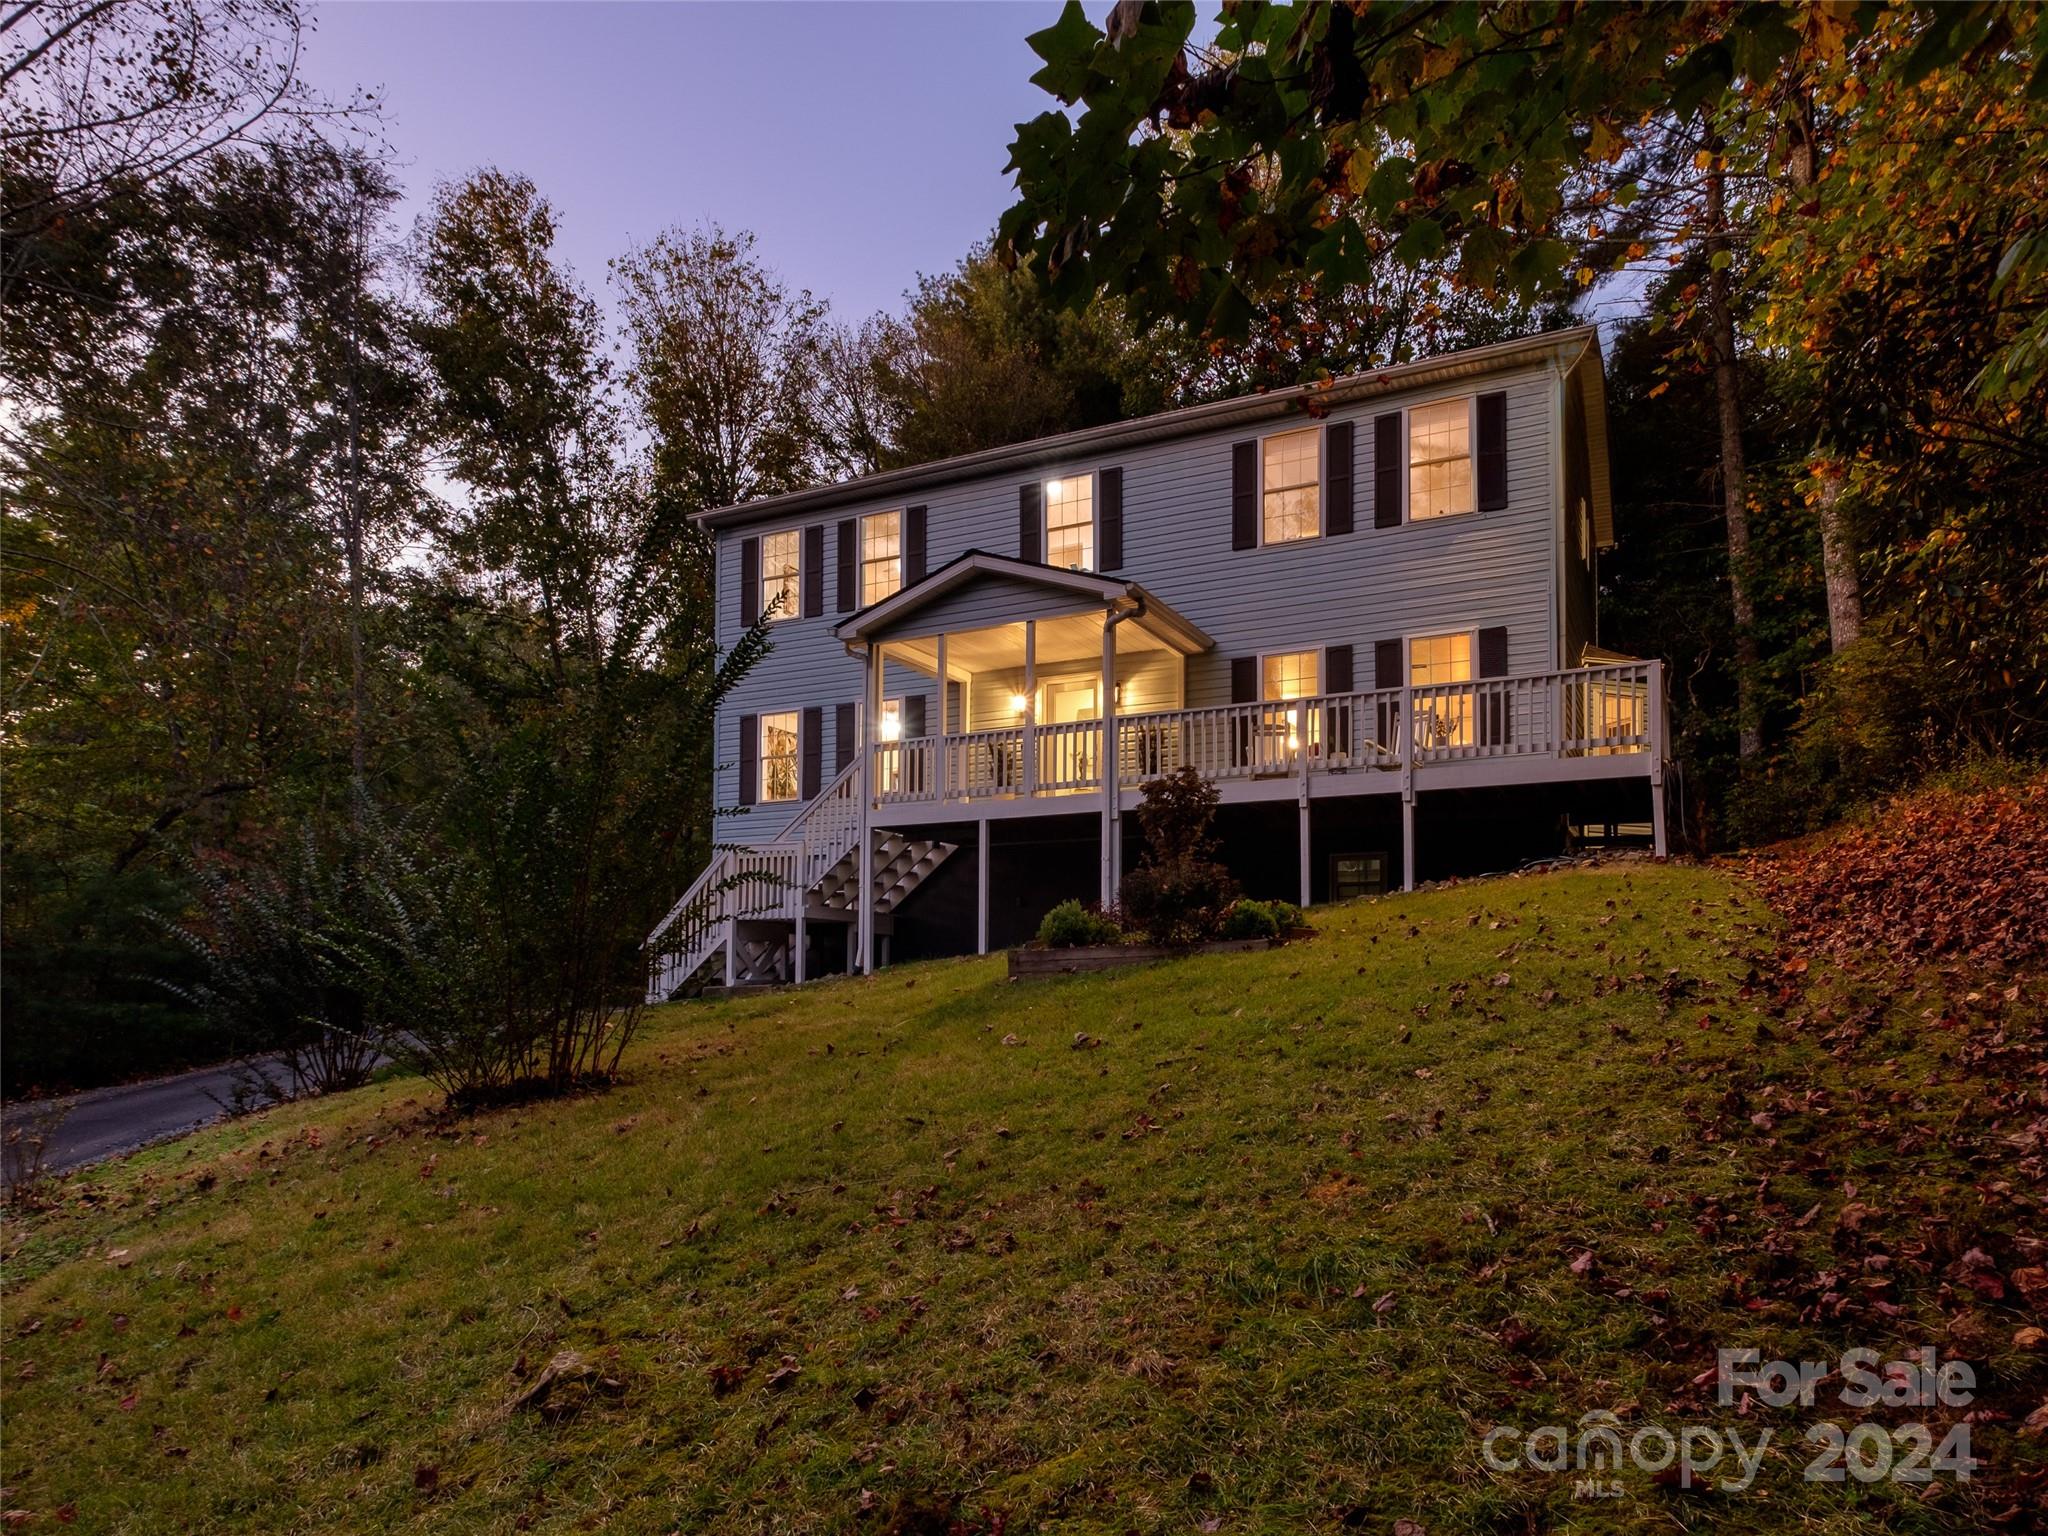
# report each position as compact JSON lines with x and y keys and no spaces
{"x":862,"y":142}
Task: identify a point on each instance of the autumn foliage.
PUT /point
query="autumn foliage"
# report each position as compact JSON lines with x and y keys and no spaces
{"x":1938,"y":877}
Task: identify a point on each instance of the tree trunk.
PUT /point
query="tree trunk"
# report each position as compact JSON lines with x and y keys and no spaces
{"x":1838,"y":560}
{"x":352,"y":521}
{"x":1720,"y":319}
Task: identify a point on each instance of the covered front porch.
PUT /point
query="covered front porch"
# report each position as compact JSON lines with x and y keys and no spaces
{"x":999,"y":689}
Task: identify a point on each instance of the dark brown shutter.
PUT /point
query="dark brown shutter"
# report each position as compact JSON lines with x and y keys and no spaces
{"x":1386,"y":470}
{"x":1244,"y":495}
{"x":1109,"y":542}
{"x":1244,"y":689}
{"x":842,"y":737}
{"x":814,"y":570}
{"x":1030,"y":514}
{"x":1337,"y":669}
{"x":849,"y":566}
{"x":1493,"y":651}
{"x":1386,"y":665}
{"x":750,"y":581}
{"x":913,"y":546}
{"x":1338,"y":679}
{"x":916,"y":707}
{"x":812,"y":746}
{"x":750,"y":759}
{"x":1339,"y":451}
{"x":1496,"y":720}
{"x":1493,"y":452}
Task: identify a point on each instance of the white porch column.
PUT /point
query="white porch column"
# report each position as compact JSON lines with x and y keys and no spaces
{"x":942,"y":763}
{"x":864,"y":898}
{"x":1656,"y":722}
{"x":1106,"y":756}
{"x":981,"y":903}
{"x":1030,"y":707}
{"x":1301,"y":718}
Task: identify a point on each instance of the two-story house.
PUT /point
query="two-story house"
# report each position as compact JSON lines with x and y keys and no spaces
{"x":1365,"y":609}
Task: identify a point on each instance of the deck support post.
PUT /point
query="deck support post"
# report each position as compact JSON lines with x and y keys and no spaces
{"x":942,"y":766}
{"x":864,"y":897}
{"x":1301,"y":718}
{"x":1106,"y":758}
{"x":732,"y":949}
{"x":799,"y":969}
{"x":981,"y":895}
{"x":1408,"y":788}
{"x":1656,"y":708}
{"x":1030,"y":721}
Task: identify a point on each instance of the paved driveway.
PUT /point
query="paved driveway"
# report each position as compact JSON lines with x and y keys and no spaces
{"x":107,"y":1121}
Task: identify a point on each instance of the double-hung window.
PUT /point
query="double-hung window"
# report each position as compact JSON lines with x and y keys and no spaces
{"x":1440,"y":459}
{"x":1291,"y":482}
{"x":1443,"y":715}
{"x":881,"y":556}
{"x":1285,"y":676}
{"x":781,"y":590}
{"x":779,"y":767}
{"x":1070,"y":522}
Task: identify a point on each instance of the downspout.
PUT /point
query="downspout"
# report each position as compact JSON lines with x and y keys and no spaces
{"x":1112,"y":759}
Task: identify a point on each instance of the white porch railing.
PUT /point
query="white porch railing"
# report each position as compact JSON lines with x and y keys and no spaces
{"x":986,"y":763}
{"x":1585,"y":712}
{"x":1069,"y":756}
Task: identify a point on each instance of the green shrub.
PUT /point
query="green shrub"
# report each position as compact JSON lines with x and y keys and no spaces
{"x":1250,"y":920}
{"x":1071,"y":925}
{"x":1289,"y":916}
{"x":1179,"y":893}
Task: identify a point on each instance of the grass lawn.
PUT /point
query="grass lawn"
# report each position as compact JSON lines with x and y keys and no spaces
{"x":1240,"y":1243}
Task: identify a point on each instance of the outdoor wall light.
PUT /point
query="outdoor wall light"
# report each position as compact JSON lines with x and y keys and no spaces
{"x":892,"y":728}
{"x":1052,"y":487}
{"x":1018,"y":703}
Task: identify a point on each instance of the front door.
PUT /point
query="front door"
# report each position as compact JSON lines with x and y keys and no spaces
{"x":1067,"y":757}
{"x":1071,"y":700}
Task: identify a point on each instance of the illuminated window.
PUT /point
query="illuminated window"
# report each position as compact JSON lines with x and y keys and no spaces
{"x":1290,"y":675}
{"x":889,"y":732}
{"x":778,"y":757}
{"x":1284,"y":678}
{"x":881,"y":556}
{"x":1293,"y":485}
{"x":779,"y":584}
{"x":1443,"y":717}
{"x":1440,"y":459}
{"x":1070,"y":522}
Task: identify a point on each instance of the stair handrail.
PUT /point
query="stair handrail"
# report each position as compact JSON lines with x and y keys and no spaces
{"x":804,"y":829}
{"x":812,"y":818}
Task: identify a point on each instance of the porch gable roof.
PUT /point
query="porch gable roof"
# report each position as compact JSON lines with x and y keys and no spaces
{"x":978,"y":565}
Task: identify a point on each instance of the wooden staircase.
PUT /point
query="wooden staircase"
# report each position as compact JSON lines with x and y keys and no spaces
{"x":737,"y":923}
